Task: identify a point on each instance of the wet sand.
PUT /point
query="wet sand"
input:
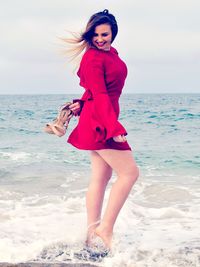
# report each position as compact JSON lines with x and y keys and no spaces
{"x":37,"y":264}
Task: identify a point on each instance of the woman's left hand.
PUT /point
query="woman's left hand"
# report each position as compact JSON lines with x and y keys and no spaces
{"x":119,"y":138}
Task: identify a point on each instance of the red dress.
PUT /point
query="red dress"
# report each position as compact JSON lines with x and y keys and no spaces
{"x":102,"y":74}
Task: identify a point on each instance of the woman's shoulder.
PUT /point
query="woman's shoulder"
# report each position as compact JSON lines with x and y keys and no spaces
{"x":92,"y":57}
{"x":93,"y":53}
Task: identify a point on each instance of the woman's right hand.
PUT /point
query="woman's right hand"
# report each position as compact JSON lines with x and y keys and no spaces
{"x":119,"y":139}
{"x":75,"y":107}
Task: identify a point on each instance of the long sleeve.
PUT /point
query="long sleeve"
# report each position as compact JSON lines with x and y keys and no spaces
{"x":82,"y":100}
{"x":104,"y":118}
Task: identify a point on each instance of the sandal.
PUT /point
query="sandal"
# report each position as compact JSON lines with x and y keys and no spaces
{"x":60,"y":124}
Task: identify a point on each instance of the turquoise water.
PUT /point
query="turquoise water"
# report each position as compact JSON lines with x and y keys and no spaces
{"x":43,"y":181}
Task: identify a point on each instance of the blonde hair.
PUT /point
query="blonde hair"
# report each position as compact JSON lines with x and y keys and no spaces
{"x":76,"y":45}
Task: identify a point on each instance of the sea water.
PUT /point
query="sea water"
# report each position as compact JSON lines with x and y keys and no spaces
{"x":43,"y":181}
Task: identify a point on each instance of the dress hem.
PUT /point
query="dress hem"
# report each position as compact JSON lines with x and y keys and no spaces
{"x":105,"y":147}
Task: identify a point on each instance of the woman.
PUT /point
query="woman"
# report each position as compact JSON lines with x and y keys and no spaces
{"x":102,"y":74}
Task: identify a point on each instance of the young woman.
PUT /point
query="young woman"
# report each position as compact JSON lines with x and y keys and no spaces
{"x":102,"y":74}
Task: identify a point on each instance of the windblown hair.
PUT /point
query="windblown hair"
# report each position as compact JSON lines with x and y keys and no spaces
{"x":83,"y":40}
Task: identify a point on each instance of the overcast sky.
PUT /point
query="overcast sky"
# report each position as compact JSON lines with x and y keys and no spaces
{"x":158,"y":39}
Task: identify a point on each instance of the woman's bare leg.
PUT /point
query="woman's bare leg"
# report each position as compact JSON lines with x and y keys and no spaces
{"x":123,"y":163}
{"x":101,"y":173}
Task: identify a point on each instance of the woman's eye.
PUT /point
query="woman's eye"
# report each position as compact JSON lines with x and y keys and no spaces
{"x":103,"y":34}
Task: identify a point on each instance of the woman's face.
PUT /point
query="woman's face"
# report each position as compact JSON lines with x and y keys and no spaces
{"x":102,"y":37}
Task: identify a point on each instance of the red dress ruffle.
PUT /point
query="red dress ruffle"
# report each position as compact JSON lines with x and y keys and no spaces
{"x":102,"y":74}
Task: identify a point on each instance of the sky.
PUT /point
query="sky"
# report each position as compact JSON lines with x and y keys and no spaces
{"x":159,"y":40}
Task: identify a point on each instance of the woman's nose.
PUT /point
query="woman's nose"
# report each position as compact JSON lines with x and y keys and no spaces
{"x":99,"y":39}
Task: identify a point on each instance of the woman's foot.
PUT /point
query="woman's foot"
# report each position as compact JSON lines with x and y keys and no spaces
{"x":98,"y":243}
{"x":96,"y":248}
{"x":90,"y":232}
{"x":105,"y":235}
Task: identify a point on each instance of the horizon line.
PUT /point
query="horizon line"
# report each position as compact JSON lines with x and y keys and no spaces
{"x":142,"y":93}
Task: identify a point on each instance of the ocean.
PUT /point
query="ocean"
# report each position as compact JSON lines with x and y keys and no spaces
{"x":43,"y":181}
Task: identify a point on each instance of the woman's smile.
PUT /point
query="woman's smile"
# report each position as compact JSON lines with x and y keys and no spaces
{"x":100,"y":43}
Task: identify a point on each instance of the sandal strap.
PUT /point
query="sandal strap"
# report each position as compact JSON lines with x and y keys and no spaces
{"x":48,"y":129}
{"x":59,"y":131}
{"x":65,"y":106}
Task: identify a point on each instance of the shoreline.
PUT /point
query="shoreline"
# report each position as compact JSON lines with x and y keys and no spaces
{"x":42,"y":264}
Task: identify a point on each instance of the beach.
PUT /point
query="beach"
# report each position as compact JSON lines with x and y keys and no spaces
{"x":43,"y":182}
{"x":46,"y":265}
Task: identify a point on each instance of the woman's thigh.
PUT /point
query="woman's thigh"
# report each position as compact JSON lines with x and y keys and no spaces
{"x":101,"y":170}
{"x":121,"y":161}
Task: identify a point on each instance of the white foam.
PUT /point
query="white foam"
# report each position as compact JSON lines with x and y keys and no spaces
{"x":23,"y":156}
{"x":40,"y":227}
{"x":15,"y":156}
{"x":29,"y":228}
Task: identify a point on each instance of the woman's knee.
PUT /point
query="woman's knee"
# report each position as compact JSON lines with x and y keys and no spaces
{"x":131,"y":174}
{"x":122,"y":162}
{"x":134,"y":174}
